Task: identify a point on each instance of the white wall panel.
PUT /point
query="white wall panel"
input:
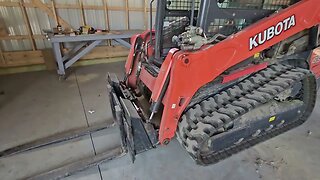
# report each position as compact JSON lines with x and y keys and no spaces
{"x":16,"y":25}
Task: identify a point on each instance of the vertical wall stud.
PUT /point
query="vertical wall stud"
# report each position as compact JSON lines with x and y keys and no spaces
{"x":107,"y":19}
{"x":54,"y":10}
{"x":106,"y":14}
{"x":43,"y":7}
{"x":3,"y":62}
{"x":127,"y":14}
{"x":146,"y":14}
{"x":27,"y":23}
{"x":83,"y":19}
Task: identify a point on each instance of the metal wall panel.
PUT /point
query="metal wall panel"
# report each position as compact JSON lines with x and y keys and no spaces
{"x":136,"y":20}
{"x":95,"y":18}
{"x":13,"y":19}
{"x":15,"y":24}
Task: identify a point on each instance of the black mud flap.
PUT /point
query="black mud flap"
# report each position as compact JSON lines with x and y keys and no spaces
{"x":135,"y":137}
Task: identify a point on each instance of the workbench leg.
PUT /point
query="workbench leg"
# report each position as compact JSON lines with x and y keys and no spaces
{"x":58,"y":56}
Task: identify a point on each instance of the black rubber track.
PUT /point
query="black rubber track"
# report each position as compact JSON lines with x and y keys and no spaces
{"x":216,"y":114}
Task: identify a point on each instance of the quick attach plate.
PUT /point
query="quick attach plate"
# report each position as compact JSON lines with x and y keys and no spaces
{"x":134,"y":135}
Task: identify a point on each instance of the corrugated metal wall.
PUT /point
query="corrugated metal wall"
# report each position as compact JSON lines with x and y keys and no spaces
{"x":15,"y":24}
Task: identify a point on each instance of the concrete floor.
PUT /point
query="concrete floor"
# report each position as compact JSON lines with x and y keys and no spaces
{"x":35,"y":105}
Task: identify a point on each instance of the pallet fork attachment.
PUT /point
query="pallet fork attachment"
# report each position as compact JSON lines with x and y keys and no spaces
{"x":137,"y":136}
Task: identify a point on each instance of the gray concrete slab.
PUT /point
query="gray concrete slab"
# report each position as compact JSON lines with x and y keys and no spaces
{"x":32,"y":163}
{"x":266,"y":160}
{"x":92,"y":85}
{"x":290,"y":156}
{"x":37,"y":100}
{"x":36,"y":105}
{"x":293,"y":155}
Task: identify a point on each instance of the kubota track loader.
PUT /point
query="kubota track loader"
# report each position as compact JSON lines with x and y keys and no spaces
{"x":222,"y":76}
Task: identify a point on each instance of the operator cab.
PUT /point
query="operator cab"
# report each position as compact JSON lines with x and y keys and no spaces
{"x":190,"y":24}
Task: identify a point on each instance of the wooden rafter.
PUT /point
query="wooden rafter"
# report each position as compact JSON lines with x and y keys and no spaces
{"x":27,"y":23}
{"x":83,"y":19}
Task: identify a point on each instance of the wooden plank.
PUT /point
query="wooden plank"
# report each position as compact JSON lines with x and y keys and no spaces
{"x":22,"y":58}
{"x":106,"y":13}
{"x":26,"y":58}
{"x":127,"y":14}
{"x":83,"y":19}
{"x":2,"y":61}
{"x":92,"y":7}
{"x":49,"y":59}
{"x":107,"y":19}
{"x":145,"y":4}
{"x":54,"y":10}
{"x":47,"y":10}
{"x":9,"y":4}
{"x":27,"y":23}
{"x":3,"y":28}
{"x":17,"y":37}
{"x":22,"y":37}
{"x":3,"y":31}
{"x":41,"y":67}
